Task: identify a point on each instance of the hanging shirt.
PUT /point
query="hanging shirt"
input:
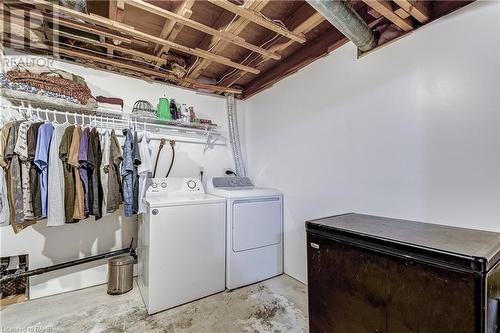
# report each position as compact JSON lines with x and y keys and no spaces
{"x":21,"y":149}
{"x":105,"y":165}
{"x":94,"y":160}
{"x":69,"y":180}
{"x":42,"y":162}
{"x":114,"y":183}
{"x":78,"y":209}
{"x":34,"y":172}
{"x":83,"y":168}
{"x":4,"y":134}
{"x":55,"y":206}
{"x":14,"y":187}
{"x":4,"y":204}
{"x":144,"y":170}
{"x":127,"y":173}
{"x":136,"y":156}
{"x":4,"y":209}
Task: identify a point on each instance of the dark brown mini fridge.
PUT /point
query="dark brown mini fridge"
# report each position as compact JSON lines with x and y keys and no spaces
{"x":371,"y":274}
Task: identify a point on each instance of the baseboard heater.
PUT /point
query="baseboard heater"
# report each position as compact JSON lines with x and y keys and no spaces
{"x":43,"y":270}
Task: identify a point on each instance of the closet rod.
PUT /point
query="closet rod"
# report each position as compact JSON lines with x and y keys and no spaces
{"x":67,"y":264}
{"x":112,"y":122}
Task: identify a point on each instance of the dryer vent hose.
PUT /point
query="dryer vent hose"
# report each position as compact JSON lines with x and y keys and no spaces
{"x":234,"y":136}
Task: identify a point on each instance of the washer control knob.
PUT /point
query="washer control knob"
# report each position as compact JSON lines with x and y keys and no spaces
{"x":191,"y":184}
{"x":155,"y":185}
{"x":163,"y":184}
{"x":155,"y":211}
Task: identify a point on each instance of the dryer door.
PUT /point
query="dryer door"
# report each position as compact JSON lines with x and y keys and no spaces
{"x":256,"y":223}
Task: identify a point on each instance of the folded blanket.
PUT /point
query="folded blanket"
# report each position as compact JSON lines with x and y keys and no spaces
{"x":56,"y":84}
{"x":110,"y":100}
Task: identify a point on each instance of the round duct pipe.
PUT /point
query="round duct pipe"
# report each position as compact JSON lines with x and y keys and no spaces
{"x":234,"y":136}
{"x":343,"y":17}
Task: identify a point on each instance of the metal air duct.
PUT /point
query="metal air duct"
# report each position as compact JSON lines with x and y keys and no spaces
{"x":347,"y":21}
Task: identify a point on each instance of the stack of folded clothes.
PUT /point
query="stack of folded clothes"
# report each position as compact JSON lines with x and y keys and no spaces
{"x":109,"y":103}
{"x":38,"y":82}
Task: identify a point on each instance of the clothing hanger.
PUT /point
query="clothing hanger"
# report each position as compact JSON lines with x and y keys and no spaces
{"x":55,"y":119}
{"x":38,"y":114}
{"x":47,"y":118}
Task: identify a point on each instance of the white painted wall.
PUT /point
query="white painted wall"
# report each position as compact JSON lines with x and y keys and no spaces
{"x":50,"y":245}
{"x":410,"y":131}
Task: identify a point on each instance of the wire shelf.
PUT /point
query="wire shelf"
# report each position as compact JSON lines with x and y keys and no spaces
{"x":109,"y":119}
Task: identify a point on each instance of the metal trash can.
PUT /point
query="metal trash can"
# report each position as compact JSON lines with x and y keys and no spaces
{"x":120,"y":274}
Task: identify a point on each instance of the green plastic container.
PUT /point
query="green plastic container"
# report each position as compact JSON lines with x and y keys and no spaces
{"x":163,"y":109}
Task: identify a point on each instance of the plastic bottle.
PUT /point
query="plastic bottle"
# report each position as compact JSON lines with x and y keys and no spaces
{"x":185,"y":113}
{"x":173,"y":109}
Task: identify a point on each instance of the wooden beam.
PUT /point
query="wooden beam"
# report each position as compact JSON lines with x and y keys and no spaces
{"x":141,"y":35}
{"x":115,"y":12}
{"x":402,"y":13}
{"x":143,"y":70}
{"x":79,"y":26}
{"x":385,"y":8}
{"x":237,"y":40}
{"x":112,"y":47}
{"x":374,"y":13}
{"x":171,"y":29}
{"x":417,"y":9}
{"x":236,"y":27}
{"x":309,"y":24}
{"x":311,"y":51}
{"x":258,"y":19}
{"x":140,"y":70}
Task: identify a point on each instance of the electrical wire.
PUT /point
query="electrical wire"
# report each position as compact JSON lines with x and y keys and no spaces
{"x":262,"y":45}
{"x":213,"y":45}
{"x":248,"y":56}
{"x":114,"y":56}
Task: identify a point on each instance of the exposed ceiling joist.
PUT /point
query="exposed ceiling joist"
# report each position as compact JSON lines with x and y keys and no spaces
{"x":201,"y":27}
{"x":59,"y":21}
{"x":115,"y":12}
{"x":417,"y":8}
{"x":235,"y":45}
{"x":385,"y":8}
{"x":138,"y":69}
{"x":258,"y":19}
{"x":141,"y":35}
{"x":171,"y":28}
{"x":313,"y":50}
{"x":402,"y":13}
{"x":124,"y":50}
{"x":310,"y":23}
{"x":236,"y":26}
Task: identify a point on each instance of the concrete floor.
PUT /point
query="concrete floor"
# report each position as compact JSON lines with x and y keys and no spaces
{"x":275,"y":305}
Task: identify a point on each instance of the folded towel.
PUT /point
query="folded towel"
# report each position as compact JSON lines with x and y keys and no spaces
{"x":110,"y":100}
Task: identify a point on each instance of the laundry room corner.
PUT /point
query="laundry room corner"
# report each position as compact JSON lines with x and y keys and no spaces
{"x":47,"y":245}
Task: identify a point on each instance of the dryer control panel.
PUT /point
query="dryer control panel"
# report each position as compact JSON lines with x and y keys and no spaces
{"x":231,"y":182}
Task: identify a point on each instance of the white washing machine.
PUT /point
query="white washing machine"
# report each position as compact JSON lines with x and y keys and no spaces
{"x":181,"y":244}
{"x":254,"y":228}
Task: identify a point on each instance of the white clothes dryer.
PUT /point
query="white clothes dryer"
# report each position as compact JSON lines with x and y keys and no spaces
{"x":254,"y":230}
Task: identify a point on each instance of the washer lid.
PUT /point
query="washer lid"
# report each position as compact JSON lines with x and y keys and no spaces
{"x":244,"y":192}
{"x":181,"y":200}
